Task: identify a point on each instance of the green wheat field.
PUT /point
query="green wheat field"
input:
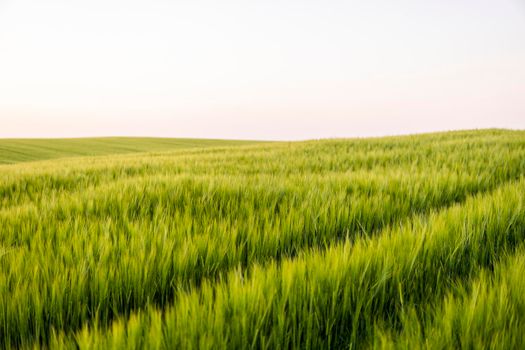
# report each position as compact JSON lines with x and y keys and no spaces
{"x":133,"y":243}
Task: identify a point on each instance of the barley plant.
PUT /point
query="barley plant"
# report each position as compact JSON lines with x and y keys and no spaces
{"x":394,"y":242}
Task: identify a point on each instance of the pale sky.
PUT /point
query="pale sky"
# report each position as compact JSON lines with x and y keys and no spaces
{"x":259,"y":69}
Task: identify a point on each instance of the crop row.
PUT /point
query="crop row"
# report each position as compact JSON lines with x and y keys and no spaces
{"x":122,"y":247}
{"x":337,"y":297}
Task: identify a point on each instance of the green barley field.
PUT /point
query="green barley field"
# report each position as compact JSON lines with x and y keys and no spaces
{"x":395,"y":242}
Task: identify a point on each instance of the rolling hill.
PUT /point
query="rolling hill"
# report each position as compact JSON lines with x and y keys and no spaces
{"x":397,"y":242}
{"x":23,"y":150}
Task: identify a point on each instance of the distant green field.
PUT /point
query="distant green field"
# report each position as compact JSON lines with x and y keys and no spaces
{"x":396,"y":242}
{"x":23,"y":150}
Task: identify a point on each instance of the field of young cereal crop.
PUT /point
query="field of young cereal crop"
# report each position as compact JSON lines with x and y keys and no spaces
{"x":398,"y":242}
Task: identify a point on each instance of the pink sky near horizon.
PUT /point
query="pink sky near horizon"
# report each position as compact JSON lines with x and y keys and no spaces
{"x":259,"y":69}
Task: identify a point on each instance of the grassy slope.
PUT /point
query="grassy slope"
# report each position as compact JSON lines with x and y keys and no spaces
{"x":23,"y":150}
{"x":308,"y":244}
